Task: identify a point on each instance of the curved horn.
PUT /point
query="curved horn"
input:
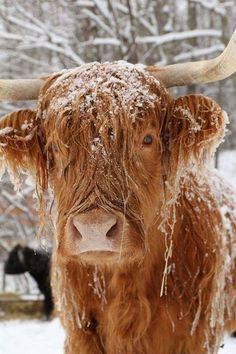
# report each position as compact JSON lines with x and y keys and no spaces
{"x":22,"y":89}
{"x":199,"y":72}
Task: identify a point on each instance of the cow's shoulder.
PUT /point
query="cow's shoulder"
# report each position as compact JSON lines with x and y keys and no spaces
{"x":208,"y":198}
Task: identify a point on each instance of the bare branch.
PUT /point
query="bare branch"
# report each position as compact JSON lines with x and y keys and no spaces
{"x":177,"y":36}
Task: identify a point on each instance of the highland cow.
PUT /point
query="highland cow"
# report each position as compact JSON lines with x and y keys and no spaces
{"x":145,"y":231}
{"x":37,"y":263}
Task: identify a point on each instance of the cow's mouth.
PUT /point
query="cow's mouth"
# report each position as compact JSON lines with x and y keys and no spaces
{"x":100,"y":257}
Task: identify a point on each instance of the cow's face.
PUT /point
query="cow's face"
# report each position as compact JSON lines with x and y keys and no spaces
{"x":108,"y":137}
{"x":102,"y":128}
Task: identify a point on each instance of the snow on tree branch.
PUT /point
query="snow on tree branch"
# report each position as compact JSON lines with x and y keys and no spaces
{"x":213,"y":5}
{"x":202,"y":52}
{"x":171,"y":37}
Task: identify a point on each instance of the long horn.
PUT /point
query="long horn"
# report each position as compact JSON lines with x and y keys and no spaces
{"x":18,"y":90}
{"x":199,"y":72}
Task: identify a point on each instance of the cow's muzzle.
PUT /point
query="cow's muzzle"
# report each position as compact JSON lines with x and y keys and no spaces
{"x":95,"y":231}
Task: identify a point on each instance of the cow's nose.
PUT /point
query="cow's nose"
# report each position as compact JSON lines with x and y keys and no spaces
{"x":96,"y":230}
{"x":96,"y":226}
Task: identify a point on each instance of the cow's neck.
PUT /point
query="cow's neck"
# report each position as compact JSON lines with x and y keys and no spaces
{"x":128,"y":292}
{"x":127,"y":289}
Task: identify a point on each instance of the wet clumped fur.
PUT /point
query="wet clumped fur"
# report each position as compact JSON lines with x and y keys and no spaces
{"x":173,"y":284}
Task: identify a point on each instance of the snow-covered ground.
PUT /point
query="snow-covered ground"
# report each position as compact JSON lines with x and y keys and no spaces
{"x":229,"y":346}
{"x":37,"y":337}
{"x":31,"y":337}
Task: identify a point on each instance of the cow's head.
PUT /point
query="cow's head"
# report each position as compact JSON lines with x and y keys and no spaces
{"x":112,"y":144}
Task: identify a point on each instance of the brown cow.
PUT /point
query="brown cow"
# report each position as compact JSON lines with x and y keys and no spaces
{"x":145,"y":245}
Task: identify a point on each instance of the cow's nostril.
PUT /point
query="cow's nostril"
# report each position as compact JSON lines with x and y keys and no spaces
{"x":113,"y":230}
{"x":75,"y":231}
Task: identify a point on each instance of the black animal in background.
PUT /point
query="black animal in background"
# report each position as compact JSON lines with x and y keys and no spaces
{"x":37,"y":263}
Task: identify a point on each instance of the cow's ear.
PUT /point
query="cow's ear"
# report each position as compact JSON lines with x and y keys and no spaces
{"x":194,"y":129}
{"x":20,"y":145}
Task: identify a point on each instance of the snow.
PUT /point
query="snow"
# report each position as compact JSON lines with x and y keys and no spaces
{"x":98,"y":20}
{"x":176,"y":36}
{"x":122,"y":80}
{"x":102,"y":6}
{"x":102,"y":41}
{"x":227,"y":166}
{"x":229,"y":346}
{"x":153,"y":39}
{"x":36,"y":337}
{"x":6,"y":131}
{"x":212,"y":5}
{"x":196,"y":53}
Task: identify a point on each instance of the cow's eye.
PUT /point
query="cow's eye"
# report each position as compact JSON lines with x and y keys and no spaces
{"x":147,"y":140}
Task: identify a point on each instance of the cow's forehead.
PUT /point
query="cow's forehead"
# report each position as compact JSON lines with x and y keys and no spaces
{"x":102,"y":89}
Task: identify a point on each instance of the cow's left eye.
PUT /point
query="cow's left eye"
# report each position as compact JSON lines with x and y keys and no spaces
{"x":147,"y":140}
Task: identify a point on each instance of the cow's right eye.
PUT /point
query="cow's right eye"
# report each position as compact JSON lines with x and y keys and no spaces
{"x":147,"y":140}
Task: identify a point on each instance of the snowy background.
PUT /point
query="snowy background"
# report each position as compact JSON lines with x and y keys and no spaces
{"x":38,"y":37}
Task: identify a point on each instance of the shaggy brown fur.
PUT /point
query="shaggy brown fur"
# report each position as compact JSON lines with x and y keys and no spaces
{"x":172,"y":288}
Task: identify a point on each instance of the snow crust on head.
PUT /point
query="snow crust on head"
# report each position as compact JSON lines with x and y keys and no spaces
{"x":6,"y":131}
{"x":97,"y":106}
{"x":126,"y":85}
